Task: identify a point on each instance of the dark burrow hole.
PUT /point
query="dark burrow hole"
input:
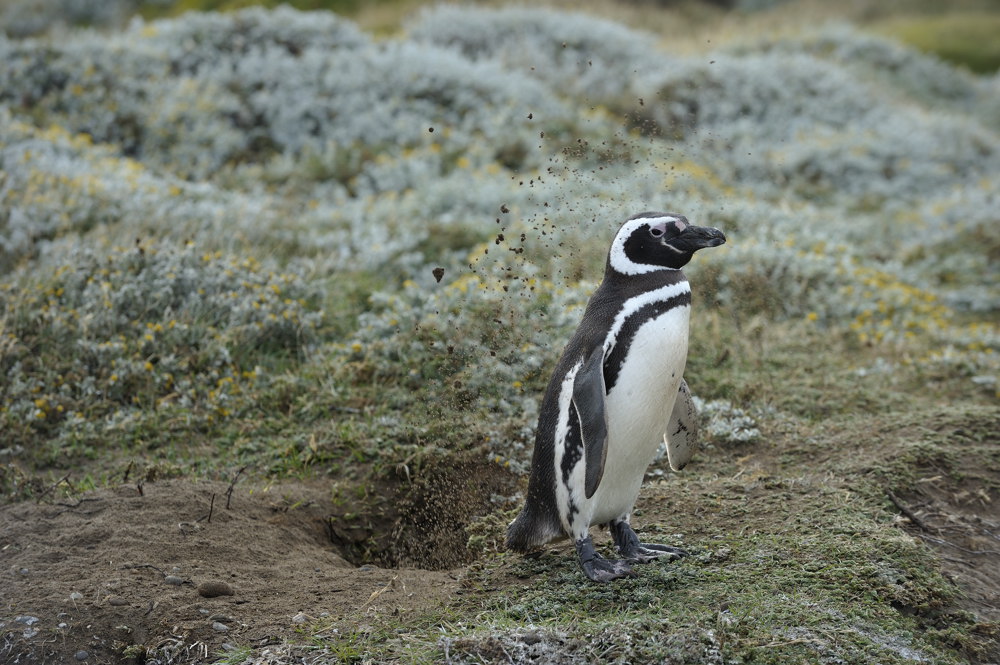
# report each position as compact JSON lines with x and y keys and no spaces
{"x":416,"y":515}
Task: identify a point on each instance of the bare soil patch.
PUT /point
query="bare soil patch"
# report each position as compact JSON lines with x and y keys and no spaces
{"x":953,"y":505}
{"x":115,"y":568}
{"x":961,"y":521}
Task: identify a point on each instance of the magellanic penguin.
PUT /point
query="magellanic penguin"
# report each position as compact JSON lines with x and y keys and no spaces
{"x":616,"y":394}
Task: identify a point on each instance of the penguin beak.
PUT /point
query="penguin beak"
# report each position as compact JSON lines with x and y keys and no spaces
{"x":694,"y":238}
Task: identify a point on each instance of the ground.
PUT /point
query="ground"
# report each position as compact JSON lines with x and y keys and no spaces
{"x":122,"y":573}
{"x":269,"y":380}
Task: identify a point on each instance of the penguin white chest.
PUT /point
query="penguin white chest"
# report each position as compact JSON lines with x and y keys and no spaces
{"x":638,"y":409}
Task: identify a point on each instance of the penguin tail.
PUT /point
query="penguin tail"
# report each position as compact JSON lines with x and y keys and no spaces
{"x":526,"y":533}
{"x":519,"y":533}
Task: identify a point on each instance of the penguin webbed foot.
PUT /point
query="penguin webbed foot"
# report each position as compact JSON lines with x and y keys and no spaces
{"x":628,"y":545}
{"x":596,"y":567}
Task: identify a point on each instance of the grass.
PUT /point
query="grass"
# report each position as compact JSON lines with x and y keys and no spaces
{"x":796,"y":556}
{"x":967,"y":39}
{"x":795,"y":564}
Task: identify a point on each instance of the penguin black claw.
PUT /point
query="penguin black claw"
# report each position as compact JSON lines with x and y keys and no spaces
{"x":596,"y":567}
{"x":628,"y":546}
{"x":647,"y":552}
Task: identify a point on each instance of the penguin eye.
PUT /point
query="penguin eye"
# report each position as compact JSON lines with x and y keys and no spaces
{"x":656,"y":232}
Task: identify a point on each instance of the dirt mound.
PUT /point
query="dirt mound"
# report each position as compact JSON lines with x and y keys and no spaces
{"x":951,"y":503}
{"x":87,"y":577}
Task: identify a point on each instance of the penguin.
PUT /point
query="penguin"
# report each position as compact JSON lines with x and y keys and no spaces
{"x":615,"y":395}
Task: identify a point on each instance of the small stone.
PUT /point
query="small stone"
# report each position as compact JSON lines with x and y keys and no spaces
{"x":220,"y":627}
{"x":173,"y":579}
{"x":214,"y":588}
{"x":26,"y":619}
{"x":76,"y":595}
{"x":300,"y":618}
{"x":117,"y":601}
{"x":81,"y":655}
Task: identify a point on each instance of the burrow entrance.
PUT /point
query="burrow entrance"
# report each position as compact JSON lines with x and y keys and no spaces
{"x":417,"y":514}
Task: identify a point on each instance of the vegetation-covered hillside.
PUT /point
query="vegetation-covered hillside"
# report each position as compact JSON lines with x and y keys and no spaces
{"x":269,"y":253}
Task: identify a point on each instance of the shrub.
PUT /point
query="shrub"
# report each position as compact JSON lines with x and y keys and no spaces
{"x":573,"y":53}
{"x":767,"y":122}
{"x":23,"y":18}
{"x":481,"y":338}
{"x":100,"y":336}
{"x":201,"y":92}
{"x":921,"y":77}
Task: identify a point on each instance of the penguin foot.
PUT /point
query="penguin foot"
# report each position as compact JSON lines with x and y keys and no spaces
{"x":628,"y":545}
{"x":596,"y":567}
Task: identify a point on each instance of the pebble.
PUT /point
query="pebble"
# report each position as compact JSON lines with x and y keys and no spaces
{"x":26,"y":619}
{"x":220,"y":627}
{"x":117,"y":601}
{"x":301,"y":617}
{"x":173,"y":579}
{"x":81,"y":655}
{"x":214,"y":588}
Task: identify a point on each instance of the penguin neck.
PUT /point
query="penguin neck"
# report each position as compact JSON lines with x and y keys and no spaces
{"x":643,"y":282}
{"x":618,"y":287}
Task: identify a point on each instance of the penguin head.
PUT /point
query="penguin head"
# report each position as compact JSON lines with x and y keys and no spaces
{"x":653,"y":241}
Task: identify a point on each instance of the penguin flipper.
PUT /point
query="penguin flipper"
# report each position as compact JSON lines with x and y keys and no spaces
{"x":682,"y":430}
{"x":588,"y":399}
